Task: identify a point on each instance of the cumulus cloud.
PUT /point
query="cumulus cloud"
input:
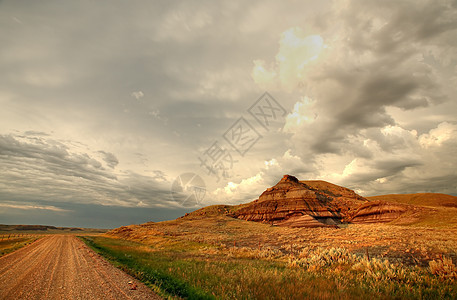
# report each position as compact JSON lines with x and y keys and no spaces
{"x":437,"y":136}
{"x":372,"y":61}
{"x":270,"y":172}
{"x":397,"y":161}
{"x":295,"y":56}
{"x":244,"y":191}
{"x":301,"y":113}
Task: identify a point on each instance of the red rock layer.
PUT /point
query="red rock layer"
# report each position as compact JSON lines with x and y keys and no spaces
{"x":296,"y":204}
{"x":378,"y":212}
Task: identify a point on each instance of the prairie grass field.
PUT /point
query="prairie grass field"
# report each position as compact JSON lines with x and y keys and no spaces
{"x":179,"y":268}
{"x":10,"y":243}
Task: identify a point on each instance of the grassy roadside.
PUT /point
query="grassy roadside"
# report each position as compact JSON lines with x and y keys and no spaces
{"x":136,"y":260}
{"x":199,"y":271}
{"x":13,"y":244}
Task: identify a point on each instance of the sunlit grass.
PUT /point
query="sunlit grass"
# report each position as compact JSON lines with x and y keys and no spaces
{"x":13,"y":244}
{"x":201,"y":271}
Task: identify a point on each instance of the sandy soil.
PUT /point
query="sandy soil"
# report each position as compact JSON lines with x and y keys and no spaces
{"x":63,"y":267}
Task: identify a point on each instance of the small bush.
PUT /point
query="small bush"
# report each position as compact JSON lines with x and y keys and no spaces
{"x":319,"y":258}
{"x":443,"y":268}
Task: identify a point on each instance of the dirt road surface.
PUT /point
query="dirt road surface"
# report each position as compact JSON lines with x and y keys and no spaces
{"x":63,"y":267}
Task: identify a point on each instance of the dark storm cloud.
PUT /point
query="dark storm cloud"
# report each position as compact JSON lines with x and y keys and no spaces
{"x":383,"y":68}
{"x":380,"y":168}
{"x":48,"y":170}
{"x":364,"y":102}
{"x":35,"y":133}
{"x":54,"y":155}
{"x":110,"y":159}
{"x":87,"y":215}
{"x":389,"y":71}
{"x":383,"y":60}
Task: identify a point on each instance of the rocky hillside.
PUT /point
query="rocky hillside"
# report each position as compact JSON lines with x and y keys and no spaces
{"x":317,"y":203}
{"x":297,"y":203}
{"x":380,"y":212}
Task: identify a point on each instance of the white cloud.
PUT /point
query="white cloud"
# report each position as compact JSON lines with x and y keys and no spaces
{"x":301,"y":113}
{"x":33,"y":207}
{"x":270,"y":163}
{"x":234,"y":193}
{"x":137,"y":95}
{"x":437,"y":136}
{"x":250,"y":187}
{"x":296,"y":55}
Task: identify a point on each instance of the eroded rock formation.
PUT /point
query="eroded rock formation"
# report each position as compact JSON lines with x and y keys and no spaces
{"x":379,"y":212}
{"x":317,"y":203}
{"x":297,"y":203}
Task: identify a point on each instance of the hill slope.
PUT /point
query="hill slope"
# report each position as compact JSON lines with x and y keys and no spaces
{"x":297,"y":203}
{"x":421,"y":199}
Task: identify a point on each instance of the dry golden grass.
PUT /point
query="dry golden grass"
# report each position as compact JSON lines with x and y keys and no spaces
{"x":229,"y":258}
{"x":8,"y":245}
{"x":421,"y":199}
{"x":413,"y":245}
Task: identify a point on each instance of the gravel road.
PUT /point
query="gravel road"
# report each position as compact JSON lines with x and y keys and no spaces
{"x":63,"y":267}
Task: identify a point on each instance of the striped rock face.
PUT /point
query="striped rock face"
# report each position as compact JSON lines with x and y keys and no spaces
{"x":381,"y":212}
{"x":297,"y":203}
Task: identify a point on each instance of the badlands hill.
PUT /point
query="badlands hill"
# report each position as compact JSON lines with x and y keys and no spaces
{"x":317,"y":203}
{"x":293,"y":204}
{"x":295,"y":226}
{"x":297,"y":203}
{"x":312,"y":213}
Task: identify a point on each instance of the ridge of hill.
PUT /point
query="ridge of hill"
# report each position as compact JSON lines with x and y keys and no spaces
{"x":420,"y":199}
{"x":46,"y":229}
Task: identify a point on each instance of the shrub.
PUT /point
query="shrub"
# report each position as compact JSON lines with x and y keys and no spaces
{"x":443,"y":268}
{"x":319,"y":258}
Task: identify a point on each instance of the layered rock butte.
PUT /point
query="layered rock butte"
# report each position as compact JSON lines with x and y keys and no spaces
{"x":295,"y":203}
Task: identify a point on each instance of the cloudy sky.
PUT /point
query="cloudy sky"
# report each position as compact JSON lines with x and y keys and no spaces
{"x":105,"y":103}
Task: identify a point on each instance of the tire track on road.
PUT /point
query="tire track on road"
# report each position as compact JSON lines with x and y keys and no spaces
{"x":63,"y":267}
